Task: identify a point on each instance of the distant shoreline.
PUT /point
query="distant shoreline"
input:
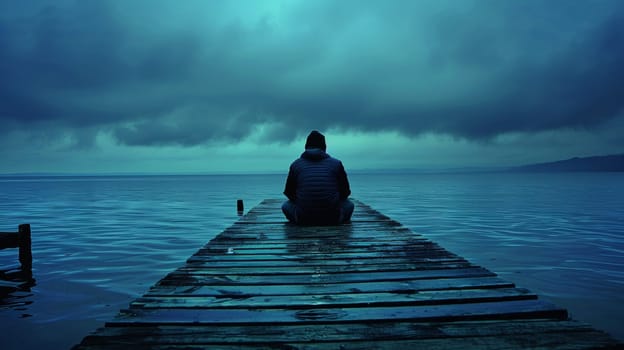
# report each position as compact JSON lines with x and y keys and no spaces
{"x":609,"y":163}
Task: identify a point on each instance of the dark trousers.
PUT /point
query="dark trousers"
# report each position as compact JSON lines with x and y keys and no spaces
{"x":293,"y":213}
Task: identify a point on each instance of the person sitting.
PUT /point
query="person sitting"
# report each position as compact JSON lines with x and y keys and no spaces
{"x":317,"y":187}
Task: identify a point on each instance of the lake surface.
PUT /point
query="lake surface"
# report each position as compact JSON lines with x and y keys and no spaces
{"x":100,"y":242}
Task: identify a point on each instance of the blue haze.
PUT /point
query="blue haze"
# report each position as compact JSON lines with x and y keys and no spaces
{"x":100,"y":242}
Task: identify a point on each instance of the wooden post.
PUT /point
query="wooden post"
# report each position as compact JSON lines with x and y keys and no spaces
{"x":25,"y":253}
{"x":240,"y":207}
{"x":8,"y":240}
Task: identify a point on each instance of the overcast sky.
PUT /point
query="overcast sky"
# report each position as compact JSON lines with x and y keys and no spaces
{"x":220,"y":86}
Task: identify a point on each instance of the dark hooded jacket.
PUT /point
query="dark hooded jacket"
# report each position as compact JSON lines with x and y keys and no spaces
{"x":317,"y":183}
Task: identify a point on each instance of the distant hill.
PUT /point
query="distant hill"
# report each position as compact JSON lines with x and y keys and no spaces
{"x":597,"y":163}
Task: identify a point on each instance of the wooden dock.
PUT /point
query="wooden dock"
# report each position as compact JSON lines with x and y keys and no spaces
{"x":372,"y":284}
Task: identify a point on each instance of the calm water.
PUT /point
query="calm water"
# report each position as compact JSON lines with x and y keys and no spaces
{"x":100,"y":242}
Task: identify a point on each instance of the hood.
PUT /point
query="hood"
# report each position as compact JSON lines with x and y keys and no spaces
{"x":314,"y":154}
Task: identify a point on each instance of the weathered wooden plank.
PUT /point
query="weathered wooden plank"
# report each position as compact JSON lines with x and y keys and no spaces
{"x":263,"y":241}
{"x":320,"y":278}
{"x":539,"y":341}
{"x":191,"y":263}
{"x":378,"y":243}
{"x":259,"y":237}
{"x":344,"y":257}
{"x":337,"y":246}
{"x":310,"y":269}
{"x":344,"y":332}
{"x":319,"y":247}
{"x":331,"y":289}
{"x":372,"y":233}
{"x":8,"y":240}
{"x":514,"y":309}
{"x":241,"y":243}
{"x":338,"y":300}
{"x":312,"y":248}
{"x":311,"y":251}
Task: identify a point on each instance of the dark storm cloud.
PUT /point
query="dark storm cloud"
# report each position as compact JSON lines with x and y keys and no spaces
{"x":157,"y":73}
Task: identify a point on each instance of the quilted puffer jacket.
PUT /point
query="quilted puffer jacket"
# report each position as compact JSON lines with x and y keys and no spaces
{"x":317,"y":183}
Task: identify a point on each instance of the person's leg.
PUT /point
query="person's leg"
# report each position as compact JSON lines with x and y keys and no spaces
{"x":290,"y":211}
{"x":346,"y":210}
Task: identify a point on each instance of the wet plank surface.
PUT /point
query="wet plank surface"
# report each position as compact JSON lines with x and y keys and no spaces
{"x":371,"y":284}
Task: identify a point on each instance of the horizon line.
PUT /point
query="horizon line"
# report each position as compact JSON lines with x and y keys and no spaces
{"x":253,"y":172}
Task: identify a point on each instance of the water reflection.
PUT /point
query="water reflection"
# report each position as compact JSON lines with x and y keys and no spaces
{"x":15,"y":290}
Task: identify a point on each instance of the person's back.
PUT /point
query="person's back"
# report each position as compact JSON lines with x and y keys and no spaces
{"x":317,"y":187}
